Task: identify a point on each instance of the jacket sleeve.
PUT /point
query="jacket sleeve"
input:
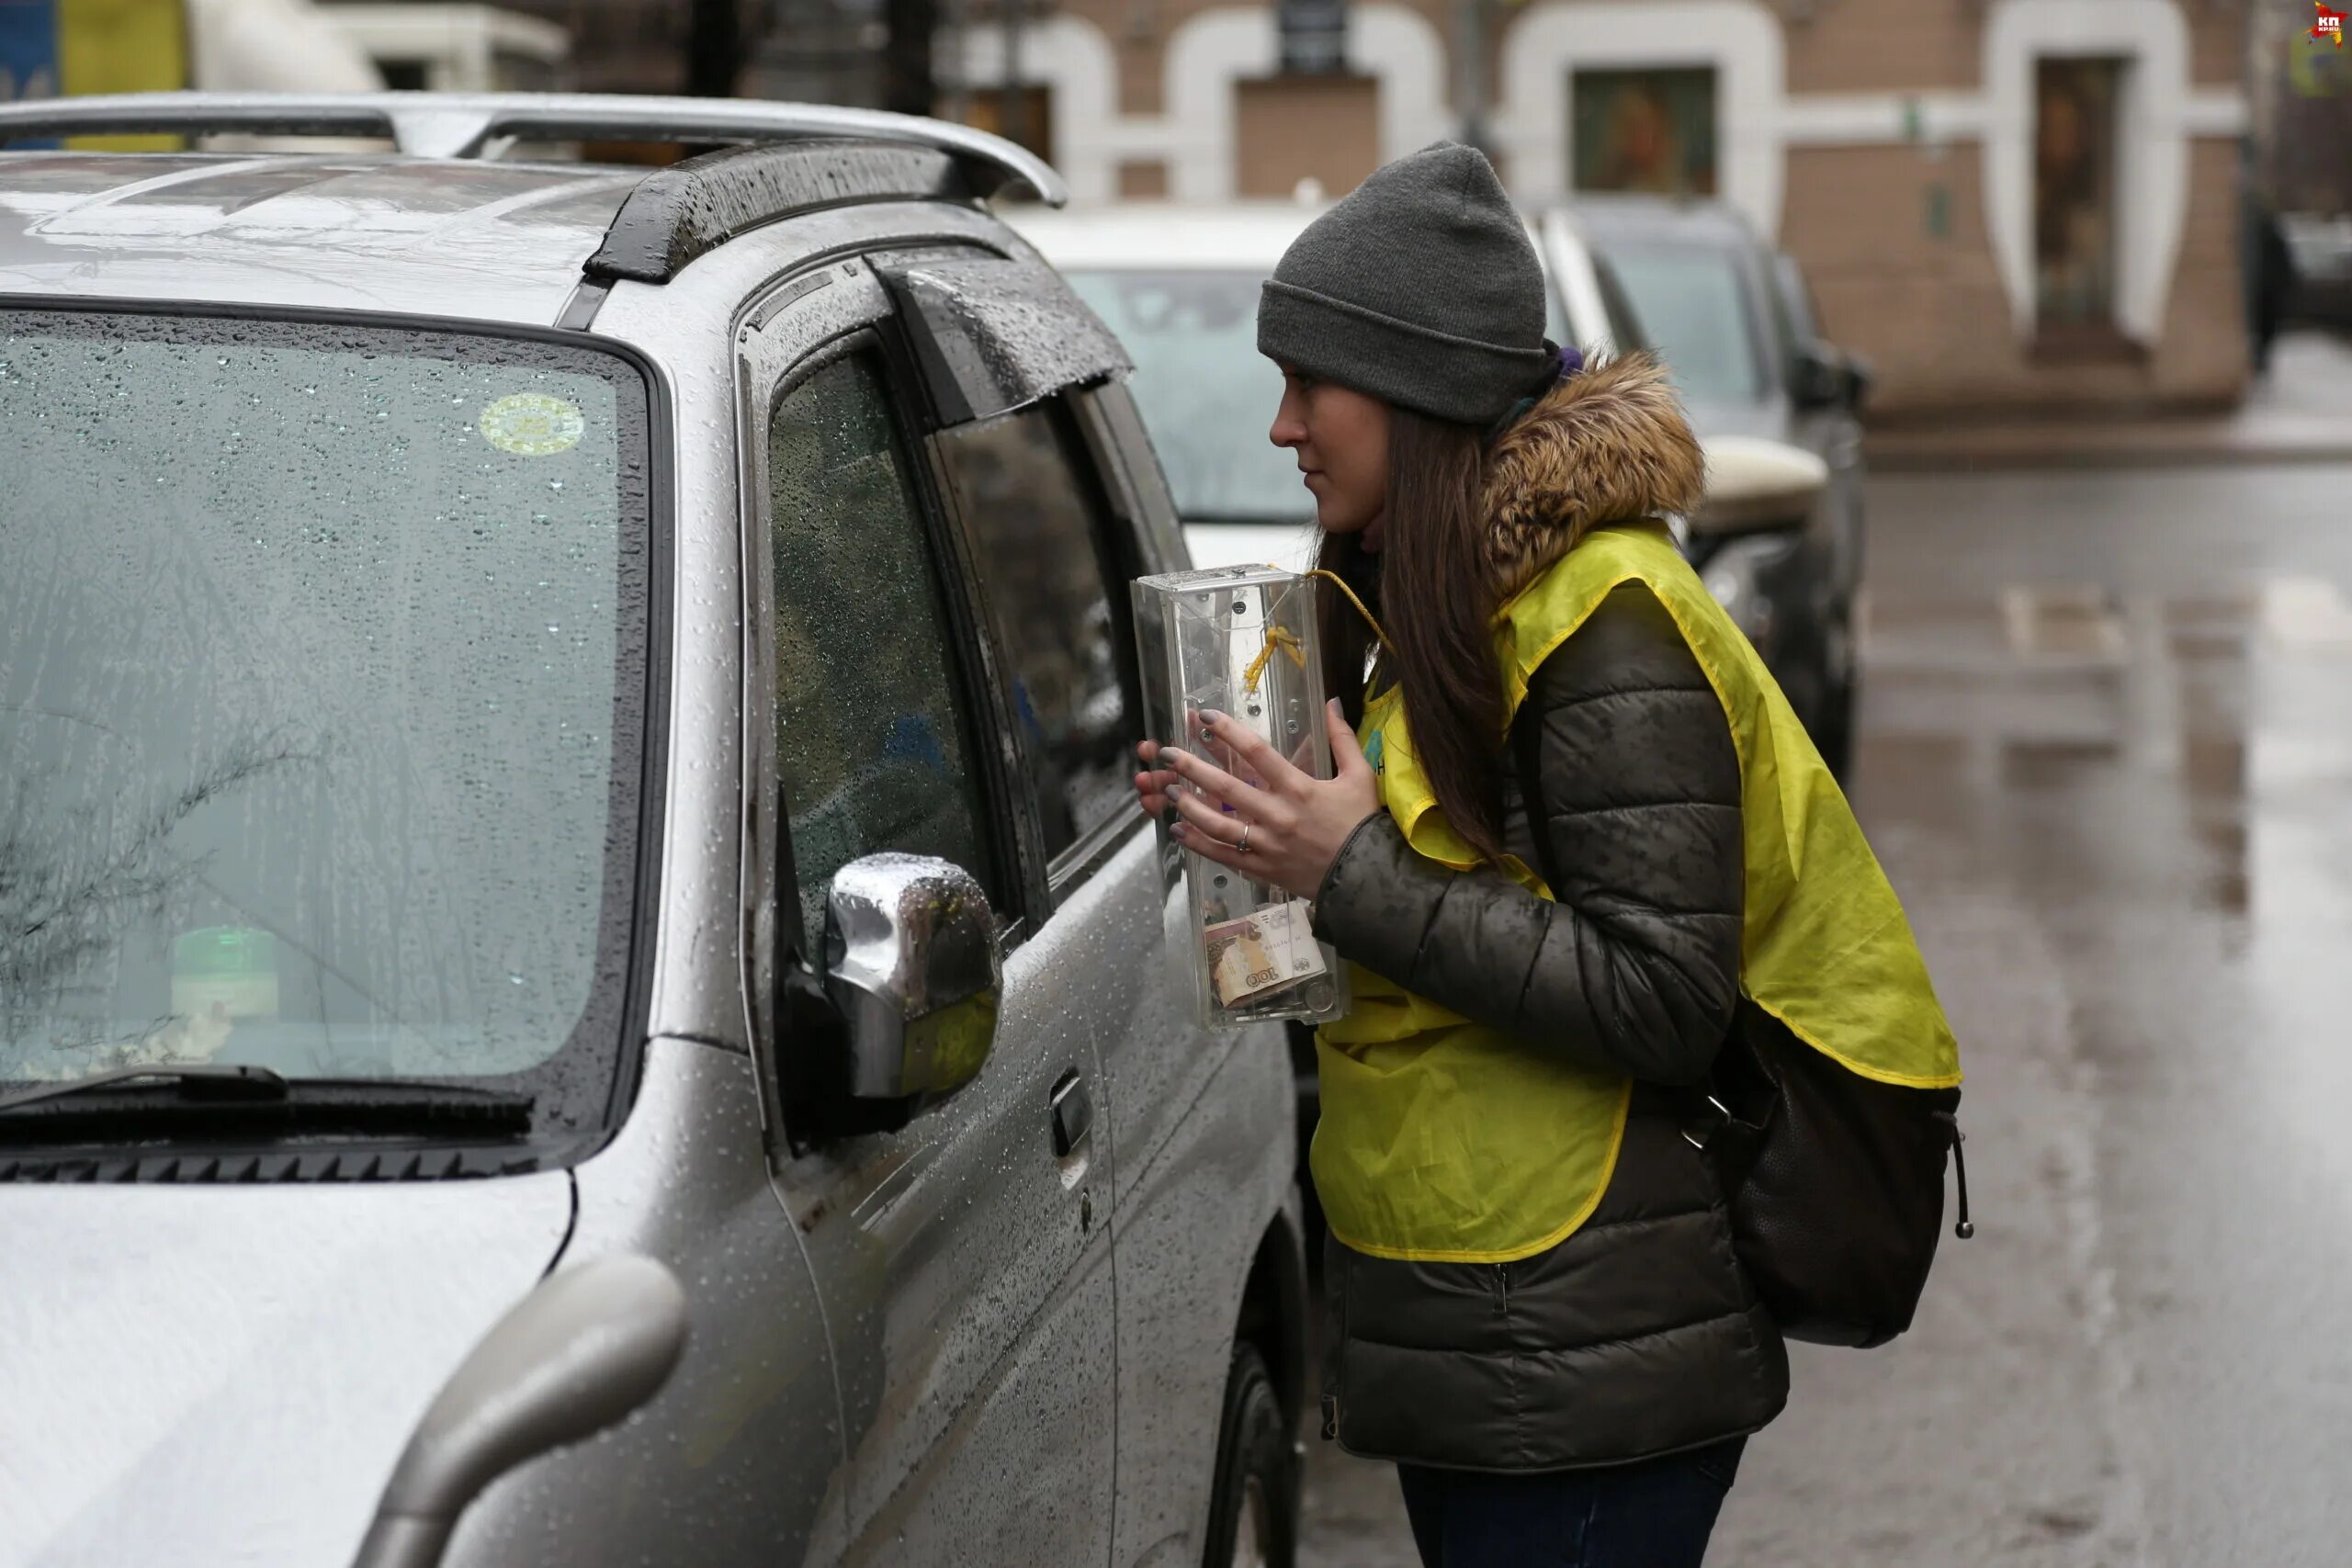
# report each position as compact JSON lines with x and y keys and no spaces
{"x":1631,"y":784}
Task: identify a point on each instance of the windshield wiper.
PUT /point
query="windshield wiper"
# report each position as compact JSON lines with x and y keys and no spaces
{"x":245,"y":1092}
{"x":196,"y":1081}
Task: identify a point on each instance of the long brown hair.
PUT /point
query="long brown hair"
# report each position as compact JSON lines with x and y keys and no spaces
{"x":1436,"y":601}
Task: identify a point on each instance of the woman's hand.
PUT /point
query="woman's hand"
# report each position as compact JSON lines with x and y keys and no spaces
{"x":1285,"y":829}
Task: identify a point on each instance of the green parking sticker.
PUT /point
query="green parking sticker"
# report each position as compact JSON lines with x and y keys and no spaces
{"x":532,"y":424}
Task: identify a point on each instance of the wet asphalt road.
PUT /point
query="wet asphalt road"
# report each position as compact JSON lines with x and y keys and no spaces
{"x":2108,"y":760}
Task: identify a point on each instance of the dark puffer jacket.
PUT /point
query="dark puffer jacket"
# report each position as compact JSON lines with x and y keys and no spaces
{"x":1640,"y":1334}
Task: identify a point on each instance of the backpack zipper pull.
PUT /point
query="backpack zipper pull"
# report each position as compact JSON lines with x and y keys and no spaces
{"x":1966,"y":1227}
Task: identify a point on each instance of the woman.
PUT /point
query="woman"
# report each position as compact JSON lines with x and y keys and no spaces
{"x":1538,"y":863}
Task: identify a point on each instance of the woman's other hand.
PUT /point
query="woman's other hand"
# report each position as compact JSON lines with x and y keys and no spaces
{"x":1152,"y":791}
{"x":1294,"y":822}
{"x":1151,"y":784}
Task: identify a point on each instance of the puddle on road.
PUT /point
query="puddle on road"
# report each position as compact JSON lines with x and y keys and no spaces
{"x":2127,"y":746}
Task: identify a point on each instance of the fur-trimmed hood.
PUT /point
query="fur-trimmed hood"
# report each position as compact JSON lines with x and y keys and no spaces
{"x":1607,"y":445}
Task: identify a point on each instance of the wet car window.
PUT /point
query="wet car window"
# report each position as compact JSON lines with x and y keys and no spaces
{"x":1694,"y":305}
{"x":321,"y":689}
{"x":1624,"y":324}
{"x":1793,"y":297}
{"x":1042,"y":561}
{"x":872,"y":750}
{"x":1207,"y":395}
{"x":1556,"y":325}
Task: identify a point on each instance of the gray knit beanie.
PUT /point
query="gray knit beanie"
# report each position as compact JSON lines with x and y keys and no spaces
{"x":1419,"y":287}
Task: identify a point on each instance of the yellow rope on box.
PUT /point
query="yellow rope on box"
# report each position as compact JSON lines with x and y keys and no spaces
{"x":1287,"y":640}
{"x":1334,"y":579}
{"x":1276,"y":636}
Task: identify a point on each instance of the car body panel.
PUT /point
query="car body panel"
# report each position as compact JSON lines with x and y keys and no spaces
{"x":209,"y":1373}
{"x":739,"y":1458}
{"x":487,"y":241}
{"x":1195,"y":1115}
{"x":966,"y":1278}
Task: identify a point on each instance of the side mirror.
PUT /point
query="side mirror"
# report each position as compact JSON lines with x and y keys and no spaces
{"x":1858,"y":382}
{"x":1818,"y":377}
{"x":1754,"y":484}
{"x":912,"y":969}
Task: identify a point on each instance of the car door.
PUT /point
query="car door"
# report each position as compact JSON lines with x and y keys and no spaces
{"x":963,"y":1258}
{"x":1204,"y":1119}
{"x":1836,"y":433}
{"x":1062,"y":504}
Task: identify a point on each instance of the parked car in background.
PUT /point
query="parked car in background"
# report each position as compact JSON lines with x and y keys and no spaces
{"x":565,"y":852}
{"x":1737,"y":328}
{"x":2318,"y":252}
{"x":1179,"y":288}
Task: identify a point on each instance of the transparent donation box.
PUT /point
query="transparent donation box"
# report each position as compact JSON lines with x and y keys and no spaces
{"x":1240,"y":641}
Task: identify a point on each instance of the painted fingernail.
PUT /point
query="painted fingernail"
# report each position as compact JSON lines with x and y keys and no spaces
{"x":1176,"y":828}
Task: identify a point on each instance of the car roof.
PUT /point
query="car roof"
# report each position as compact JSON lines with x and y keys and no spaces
{"x":470,"y":239}
{"x":1613,"y":218}
{"x":1247,"y":234}
{"x":440,"y":224}
{"x":1250,"y":235}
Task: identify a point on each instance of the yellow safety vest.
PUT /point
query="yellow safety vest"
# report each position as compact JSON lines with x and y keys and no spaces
{"x":1445,"y":1141}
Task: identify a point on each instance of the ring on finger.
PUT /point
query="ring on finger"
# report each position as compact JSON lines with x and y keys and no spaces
{"x":1242,"y":845}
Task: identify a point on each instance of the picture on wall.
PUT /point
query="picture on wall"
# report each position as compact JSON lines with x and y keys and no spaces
{"x":1646,"y":130}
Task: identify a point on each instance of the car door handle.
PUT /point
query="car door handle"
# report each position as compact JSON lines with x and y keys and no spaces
{"x":1073,"y":1115}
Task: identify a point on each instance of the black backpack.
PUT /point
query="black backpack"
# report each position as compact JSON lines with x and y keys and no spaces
{"x":1835,"y":1181}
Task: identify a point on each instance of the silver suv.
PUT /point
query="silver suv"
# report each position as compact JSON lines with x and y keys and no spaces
{"x":579,"y":981}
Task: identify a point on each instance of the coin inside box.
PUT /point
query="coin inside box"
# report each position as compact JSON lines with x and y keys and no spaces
{"x":1240,"y":641}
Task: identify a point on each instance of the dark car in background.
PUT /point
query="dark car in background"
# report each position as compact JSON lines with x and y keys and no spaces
{"x":1734,"y":323}
{"x":2319,"y":259}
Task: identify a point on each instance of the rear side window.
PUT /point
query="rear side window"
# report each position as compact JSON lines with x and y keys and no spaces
{"x":1624,"y":326}
{"x":1044,"y":561}
{"x":870,"y":743}
{"x":1696,"y":299}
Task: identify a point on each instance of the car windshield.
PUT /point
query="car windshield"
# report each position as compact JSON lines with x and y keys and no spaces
{"x":1694,"y":305}
{"x":1207,"y":395}
{"x":320,"y":696}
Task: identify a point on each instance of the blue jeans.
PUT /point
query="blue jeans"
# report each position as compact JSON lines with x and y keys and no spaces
{"x":1655,"y":1514}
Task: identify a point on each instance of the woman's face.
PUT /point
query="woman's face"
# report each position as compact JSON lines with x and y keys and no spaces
{"x":1340,"y":438}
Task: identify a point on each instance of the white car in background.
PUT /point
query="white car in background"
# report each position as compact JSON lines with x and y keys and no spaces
{"x":1179,"y":285}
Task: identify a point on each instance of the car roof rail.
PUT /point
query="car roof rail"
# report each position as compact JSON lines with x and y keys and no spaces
{"x":468,"y":125}
{"x":690,"y":209}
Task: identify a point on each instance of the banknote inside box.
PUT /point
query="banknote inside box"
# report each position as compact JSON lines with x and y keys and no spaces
{"x":1238,"y":641}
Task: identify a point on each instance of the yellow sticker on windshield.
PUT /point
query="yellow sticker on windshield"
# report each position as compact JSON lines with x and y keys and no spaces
{"x":532,"y":424}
